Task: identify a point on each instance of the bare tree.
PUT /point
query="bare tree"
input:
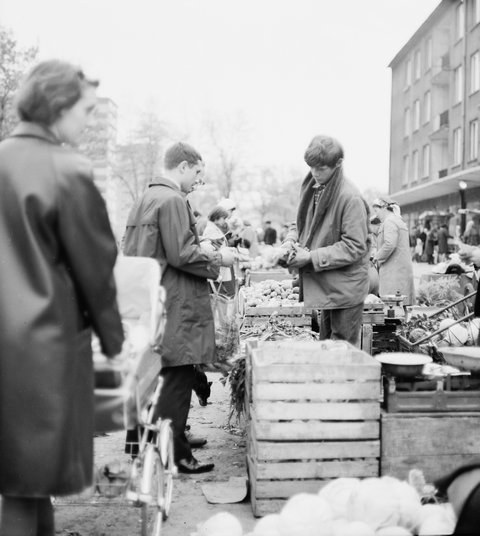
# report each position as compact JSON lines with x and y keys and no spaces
{"x":228,"y":144}
{"x":14,"y":61}
{"x":138,"y":161}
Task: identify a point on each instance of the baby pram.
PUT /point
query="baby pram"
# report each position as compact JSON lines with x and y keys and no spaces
{"x":127,"y":390}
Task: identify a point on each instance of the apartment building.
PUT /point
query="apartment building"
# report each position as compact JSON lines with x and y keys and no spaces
{"x":99,"y":144}
{"x":435,"y":112}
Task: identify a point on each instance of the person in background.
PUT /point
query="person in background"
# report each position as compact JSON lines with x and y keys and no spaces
{"x":471,"y":236}
{"x":249,"y":239}
{"x":442,"y":238}
{"x":58,"y":254}
{"x":393,"y":258}
{"x":200,"y":220}
{"x":430,"y":244}
{"x":329,"y":245}
{"x":284,"y":232}
{"x":270,"y":234}
{"x":161,"y":225}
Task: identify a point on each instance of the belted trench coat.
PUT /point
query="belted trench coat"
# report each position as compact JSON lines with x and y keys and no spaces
{"x":161,"y":225}
{"x":57,"y":253}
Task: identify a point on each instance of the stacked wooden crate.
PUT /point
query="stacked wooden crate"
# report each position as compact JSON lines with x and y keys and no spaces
{"x":297,"y":314}
{"x":313,"y":415}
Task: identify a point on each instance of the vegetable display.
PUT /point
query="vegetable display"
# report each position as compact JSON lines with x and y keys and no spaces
{"x":270,"y":293}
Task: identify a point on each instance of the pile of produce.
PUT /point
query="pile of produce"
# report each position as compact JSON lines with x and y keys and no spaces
{"x":438,"y":292}
{"x":382,"y":506}
{"x":270,"y":293}
{"x":421,"y":326}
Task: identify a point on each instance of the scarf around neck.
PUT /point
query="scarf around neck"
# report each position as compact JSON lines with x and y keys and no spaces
{"x":306,"y":223}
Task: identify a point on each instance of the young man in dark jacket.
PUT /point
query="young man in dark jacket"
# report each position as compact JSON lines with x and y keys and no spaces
{"x":329,"y":244}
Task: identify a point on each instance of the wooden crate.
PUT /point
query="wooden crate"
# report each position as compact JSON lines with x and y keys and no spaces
{"x":298,"y":315}
{"x":275,"y":275}
{"x":435,"y":443}
{"x":313,"y":415}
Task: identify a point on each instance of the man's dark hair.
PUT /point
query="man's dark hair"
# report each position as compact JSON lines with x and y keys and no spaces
{"x":217,"y":213}
{"x":323,"y":151}
{"x":181,"y":152}
{"x":49,"y":88}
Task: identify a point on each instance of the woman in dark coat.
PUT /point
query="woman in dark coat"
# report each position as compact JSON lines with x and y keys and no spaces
{"x":56,"y":284}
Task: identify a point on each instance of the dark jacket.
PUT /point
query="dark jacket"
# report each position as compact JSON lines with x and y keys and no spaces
{"x":337,"y":277}
{"x":56,"y":282}
{"x":161,"y":225}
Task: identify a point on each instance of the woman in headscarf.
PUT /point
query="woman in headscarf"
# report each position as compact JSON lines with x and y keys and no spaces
{"x":393,"y":252}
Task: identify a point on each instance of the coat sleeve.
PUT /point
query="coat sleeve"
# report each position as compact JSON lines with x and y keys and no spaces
{"x":90,"y":250}
{"x":390,"y":240}
{"x":354,"y":241}
{"x":181,"y":249}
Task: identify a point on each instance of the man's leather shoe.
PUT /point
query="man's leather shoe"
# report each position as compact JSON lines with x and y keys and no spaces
{"x":196,"y":442}
{"x":192,"y":466}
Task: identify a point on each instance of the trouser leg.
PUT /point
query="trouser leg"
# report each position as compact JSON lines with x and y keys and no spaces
{"x":342,"y":324}
{"x":174,"y":404}
{"x":26,"y":516}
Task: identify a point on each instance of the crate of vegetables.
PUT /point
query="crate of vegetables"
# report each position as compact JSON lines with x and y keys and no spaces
{"x":269,"y":299}
{"x":314,"y":415}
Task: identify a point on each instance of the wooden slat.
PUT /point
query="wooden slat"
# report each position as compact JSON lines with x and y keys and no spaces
{"x":409,"y":435}
{"x":315,"y":372}
{"x":266,"y":489}
{"x":263,"y":507}
{"x":352,"y":411}
{"x":294,"y":320}
{"x":432,"y":466}
{"x":317,"y":469}
{"x":283,"y":310}
{"x":310,"y":450}
{"x":353,"y":390}
{"x":314,"y":430}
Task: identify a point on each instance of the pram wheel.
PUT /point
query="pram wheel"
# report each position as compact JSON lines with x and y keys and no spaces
{"x":151,"y":492}
{"x":168,"y":463}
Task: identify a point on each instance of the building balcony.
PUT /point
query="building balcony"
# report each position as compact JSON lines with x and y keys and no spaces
{"x":441,"y":71}
{"x":440,"y":127}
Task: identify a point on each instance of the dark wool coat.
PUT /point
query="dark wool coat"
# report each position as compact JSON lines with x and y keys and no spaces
{"x":337,"y":277}
{"x":57,"y":253}
{"x":161,"y":225}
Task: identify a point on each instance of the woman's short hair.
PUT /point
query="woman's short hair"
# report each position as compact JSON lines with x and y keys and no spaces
{"x":181,"y":152}
{"x":217,"y":213}
{"x":323,"y":151}
{"x":49,"y":88}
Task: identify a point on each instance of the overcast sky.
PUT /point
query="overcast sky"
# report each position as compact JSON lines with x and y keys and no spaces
{"x":289,"y":68}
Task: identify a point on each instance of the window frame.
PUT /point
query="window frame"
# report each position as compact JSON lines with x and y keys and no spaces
{"x":457,"y":146}
{"x":473,"y":140}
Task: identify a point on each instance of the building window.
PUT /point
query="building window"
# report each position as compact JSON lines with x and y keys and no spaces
{"x":475,"y":72}
{"x":406,"y":122}
{"x":427,"y":107}
{"x":406,"y":169}
{"x":408,"y":73}
{"x":428,"y":54}
{"x":418,"y":66}
{"x":415,"y":165}
{"x":460,"y":20}
{"x":476,"y":11}
{"x":458,"y":84}
{"x":416,"y":115}
{"x":473,"y":148}
{"x":457,"y":146}
{"x":426,"y":161}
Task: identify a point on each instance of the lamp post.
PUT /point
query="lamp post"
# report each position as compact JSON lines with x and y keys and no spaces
{"x":462,"y":186}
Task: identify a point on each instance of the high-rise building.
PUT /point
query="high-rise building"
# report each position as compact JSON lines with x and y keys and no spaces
{"x":99,"y":144}
{"x":434,"y":143}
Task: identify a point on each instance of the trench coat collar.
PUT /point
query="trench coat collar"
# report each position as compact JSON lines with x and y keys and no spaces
{"x":27,"y":129}
{"x":163,"y":181}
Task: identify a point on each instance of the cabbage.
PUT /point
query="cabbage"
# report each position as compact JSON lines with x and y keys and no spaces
{"x":221,"y":524}
{"x":268,"y":526}
{"x":305,"y":514}
{"x":409,"y":503}
{"x":358,"y":528}
{"x":337,"y":493}
{"x":393,"y":531}
{"x":433,"y":526}
{"x":437,"y":517}
{"x":374,"y":503}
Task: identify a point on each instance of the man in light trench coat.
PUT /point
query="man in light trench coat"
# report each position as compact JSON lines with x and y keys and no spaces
{"x":162,"y":225}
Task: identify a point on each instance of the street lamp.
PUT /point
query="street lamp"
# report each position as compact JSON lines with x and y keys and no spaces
{"x":462,"y":186}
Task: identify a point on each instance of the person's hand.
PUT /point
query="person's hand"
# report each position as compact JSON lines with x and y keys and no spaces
{"x":301,"y":258}
{"x":228,"y":256}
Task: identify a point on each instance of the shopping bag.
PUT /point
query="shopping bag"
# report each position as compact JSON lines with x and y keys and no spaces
{"x":227,"y":326}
